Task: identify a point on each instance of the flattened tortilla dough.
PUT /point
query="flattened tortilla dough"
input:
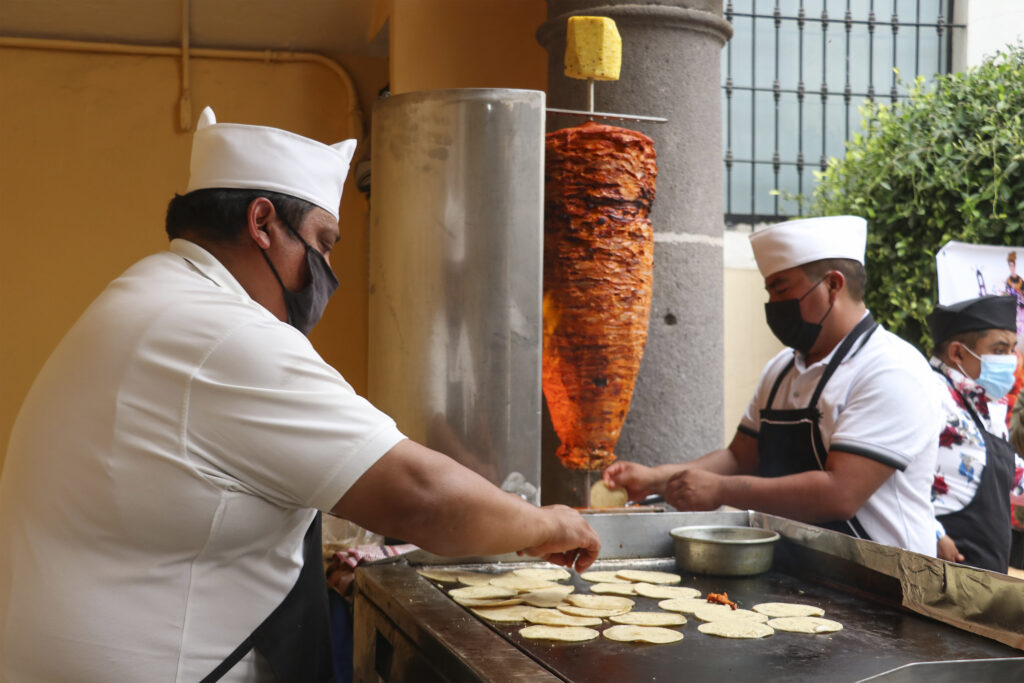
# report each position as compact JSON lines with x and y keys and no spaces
{"x":649,"y":619}
{"x":603,"y":497}
{"x":788,"y":609}
{"x":589,"y":611}
{"x":543,"y":573}
{"x":642,"y":634}
{"x":736,"y":628}
{"x":552,"y":617}
{"x":638,"y":576}
{"x":613,"y":589}
{"x":482,"y":592}
{"x":442,"y":575}
{"x":486,"y":602}
{"x":505,"y":615}
{"x":685,"y":605}
{"x":548,"y":597}
{"x":602,"y":577}
{"x":600,"y":601}
{"x":713,"y":612}
{"x":567,"y":633}
{"x":522,"y":584}
{"x":650,"y":590}
{"x":805,"y":625}
{"x":477,"y":578}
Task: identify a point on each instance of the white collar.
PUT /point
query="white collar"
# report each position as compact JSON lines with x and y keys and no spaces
{"x":207,"y":265}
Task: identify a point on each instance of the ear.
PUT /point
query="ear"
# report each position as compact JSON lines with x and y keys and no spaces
{"x":258,"y":217}
{"x":835,"y":281}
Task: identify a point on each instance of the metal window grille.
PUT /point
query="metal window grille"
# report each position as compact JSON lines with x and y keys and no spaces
{"x":793,"y":77}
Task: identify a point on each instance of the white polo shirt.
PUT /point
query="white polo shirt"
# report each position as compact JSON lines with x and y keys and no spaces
{"x":880,"y":404}
{"x":161,"y":475}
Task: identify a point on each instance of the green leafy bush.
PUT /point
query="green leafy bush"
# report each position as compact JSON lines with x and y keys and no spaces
{"x":944,"y":165}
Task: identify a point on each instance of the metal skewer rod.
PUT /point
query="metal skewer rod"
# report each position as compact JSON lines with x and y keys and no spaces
{"x":607,"y":115}
{"x":590,"y":97}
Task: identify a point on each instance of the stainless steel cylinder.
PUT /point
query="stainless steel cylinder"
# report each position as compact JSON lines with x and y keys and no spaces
{"x":456,"y":240}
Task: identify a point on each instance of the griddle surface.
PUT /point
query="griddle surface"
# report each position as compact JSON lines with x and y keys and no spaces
{"x":876,"y":638}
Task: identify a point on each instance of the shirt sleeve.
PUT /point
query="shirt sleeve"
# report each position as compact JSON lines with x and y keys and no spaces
{"x":266,"y":415}
{"x":891,"y":415}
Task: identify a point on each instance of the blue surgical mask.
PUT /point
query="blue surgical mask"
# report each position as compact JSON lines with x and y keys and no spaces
{"x":997,"y":373}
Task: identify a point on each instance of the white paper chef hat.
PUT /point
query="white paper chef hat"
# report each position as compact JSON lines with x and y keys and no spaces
{"x":794,"y":243}
{"x":239,"y":156}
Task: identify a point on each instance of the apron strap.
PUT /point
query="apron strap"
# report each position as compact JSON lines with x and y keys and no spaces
{"x":229,"y":662}
{"x":967,"y":403}
{"x":867,"y":324}
{"x":778,"y":381}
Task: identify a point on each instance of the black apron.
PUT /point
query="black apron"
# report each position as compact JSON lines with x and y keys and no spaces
{"x":295,"y":639}
{"x":981,"y":530}
{"x":789,"y":441}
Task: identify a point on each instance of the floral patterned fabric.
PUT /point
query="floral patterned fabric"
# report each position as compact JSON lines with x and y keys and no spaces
{"x":961,"y":457}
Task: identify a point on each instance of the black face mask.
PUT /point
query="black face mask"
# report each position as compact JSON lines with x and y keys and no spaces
{"x":306,"y":306}
{"x":789,"y":326}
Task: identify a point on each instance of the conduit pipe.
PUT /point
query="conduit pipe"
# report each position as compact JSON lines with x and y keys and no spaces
{"x":355,"y":114}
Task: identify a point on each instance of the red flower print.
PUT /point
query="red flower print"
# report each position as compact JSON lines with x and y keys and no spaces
{"x":939,"y":485}
{"x":950,"y":436}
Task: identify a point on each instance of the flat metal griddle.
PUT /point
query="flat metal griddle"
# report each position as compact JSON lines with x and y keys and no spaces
{"x":875,"y":638}
{"x":879,"y":634}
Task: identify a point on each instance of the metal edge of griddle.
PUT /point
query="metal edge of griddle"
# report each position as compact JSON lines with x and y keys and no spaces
{"x":922,"y":584}
{"x":456,"y":643}
{"x":953,"y":671}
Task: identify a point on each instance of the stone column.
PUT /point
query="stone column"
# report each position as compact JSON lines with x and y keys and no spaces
{"x":671,"y":68}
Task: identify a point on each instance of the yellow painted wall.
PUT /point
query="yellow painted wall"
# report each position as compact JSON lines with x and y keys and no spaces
{"x":90,"y":154}
{"x":749,"y":344}
{"x":437,"y":44}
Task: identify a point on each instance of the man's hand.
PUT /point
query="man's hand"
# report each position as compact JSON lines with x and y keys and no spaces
{"x":639,"y":480}
{"x":946,"y":550}
{"x":571,"y":541}
{"x":694,"y":489}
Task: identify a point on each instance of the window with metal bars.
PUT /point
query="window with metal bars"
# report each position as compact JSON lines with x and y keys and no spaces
{"x":793,"y":77}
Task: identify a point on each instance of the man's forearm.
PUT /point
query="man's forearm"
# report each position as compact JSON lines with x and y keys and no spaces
{"x":812,"y":496}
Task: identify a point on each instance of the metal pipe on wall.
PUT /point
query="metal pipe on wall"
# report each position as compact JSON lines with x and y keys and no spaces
{"x":355,"y":114}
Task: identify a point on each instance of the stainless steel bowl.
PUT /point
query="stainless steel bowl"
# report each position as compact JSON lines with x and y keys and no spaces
{"x":724,"y":550}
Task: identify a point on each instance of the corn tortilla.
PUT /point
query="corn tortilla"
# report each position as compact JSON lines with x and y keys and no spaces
{"x":788,"y":609}
{"x":713,"y":612}
{"x":648,"y":619}
{"x":642,"y":634}
{"x":736,"y":628}
{"x":805,"y":625}
{"x":566,"y":633}
{"x":603,"y":497}
{"x":544,"y":573}
{"x":552,"y":617}
{"x":660,"y":592}
{"x":602,"y":577}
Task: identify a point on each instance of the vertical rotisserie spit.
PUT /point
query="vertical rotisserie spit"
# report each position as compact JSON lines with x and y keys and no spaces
{"x":598,"y":261}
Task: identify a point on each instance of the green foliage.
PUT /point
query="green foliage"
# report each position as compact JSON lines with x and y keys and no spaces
{"x":944,"y":165}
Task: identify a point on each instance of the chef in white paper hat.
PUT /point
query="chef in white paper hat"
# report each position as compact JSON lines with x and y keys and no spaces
{"x":200,"y":437}
{"x":841,"y":430}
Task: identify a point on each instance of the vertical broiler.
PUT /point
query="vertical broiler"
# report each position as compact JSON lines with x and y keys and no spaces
{"x":598,"y":260}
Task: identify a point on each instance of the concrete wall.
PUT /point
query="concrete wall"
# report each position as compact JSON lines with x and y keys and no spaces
{"x":991,"y":25}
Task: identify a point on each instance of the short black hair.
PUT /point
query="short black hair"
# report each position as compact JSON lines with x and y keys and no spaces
{"x":221,"y":214}
{"x":853,"y":271}
{"x":968,"y":339}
